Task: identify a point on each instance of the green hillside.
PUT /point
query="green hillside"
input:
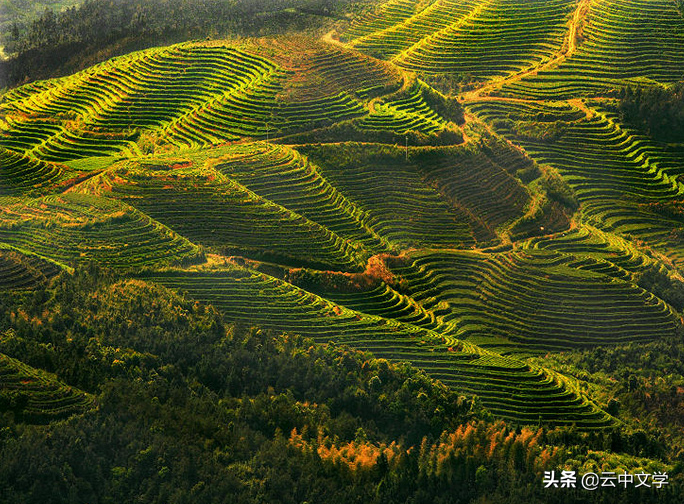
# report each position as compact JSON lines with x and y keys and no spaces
{"x":523,"y":169}
{"x":488,"y":191}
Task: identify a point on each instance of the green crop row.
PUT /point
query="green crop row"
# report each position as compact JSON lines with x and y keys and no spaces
{"x":391,"y":40}
{"x":337,"y":70}
{"x":622,"y":42}
{"x":387,"y":15}
{"x":189,"y":94}
{"x":533,"y":300}
{"x":481,"y":39}
{"x":480,"y":180}
{"x":73,"y":228}
{"x":405,"y":113}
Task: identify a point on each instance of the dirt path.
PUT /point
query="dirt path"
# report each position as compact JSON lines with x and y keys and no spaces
{"x":578,"y":103}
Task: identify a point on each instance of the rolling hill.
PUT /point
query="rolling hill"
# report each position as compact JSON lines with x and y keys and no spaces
{"x":444,"y":183}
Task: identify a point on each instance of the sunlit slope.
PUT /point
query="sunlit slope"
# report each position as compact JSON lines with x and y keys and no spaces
{"x":318,"y":69}
{"x":167,"y":91}
{"x":481,"y":38}
{"x":383,"y":17}
{"x":545,"y":50}
{"x":201,"y":94}
{"x":601,"y":251}
{"x":419,"y":20}
{"x":403,"y":113}
{"x":637,"y":42}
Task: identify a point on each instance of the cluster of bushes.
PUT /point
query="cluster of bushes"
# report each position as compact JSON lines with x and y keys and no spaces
{"x":540,"y":131}
{"x":558,"y":189}
{"x":657,"y":111}
{"x":660,"y":284}
{"x":548,"y":217}
{"x":451,"y":84}
{"x":447,"y":107}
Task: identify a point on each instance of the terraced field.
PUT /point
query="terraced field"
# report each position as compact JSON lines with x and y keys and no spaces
{"x":35,"y":395}
{"x":192,"y":94}
{"x":72,"y":228}
{"x":179,"y":200}
{"x":533,"y":300}
{"x":321,"y":187}
{"x":509,"y":387}
{"x":481,"y":38}
{"x":618,"y":178}
{"x":19,"y":272}
{"x":407,"y":113}
{"x":491,"y":193}
{"x":390,"y":191}
{"x":634,"y":41}
{"x":23,"y":174}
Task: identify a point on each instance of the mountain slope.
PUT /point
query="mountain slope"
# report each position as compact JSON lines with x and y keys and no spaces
{"x":307,"y":186}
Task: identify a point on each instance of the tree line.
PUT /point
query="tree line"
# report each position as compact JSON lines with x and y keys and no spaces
{"x":657,"y":111}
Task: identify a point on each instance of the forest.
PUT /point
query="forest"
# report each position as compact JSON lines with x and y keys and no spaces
{"x":657,"y":111}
